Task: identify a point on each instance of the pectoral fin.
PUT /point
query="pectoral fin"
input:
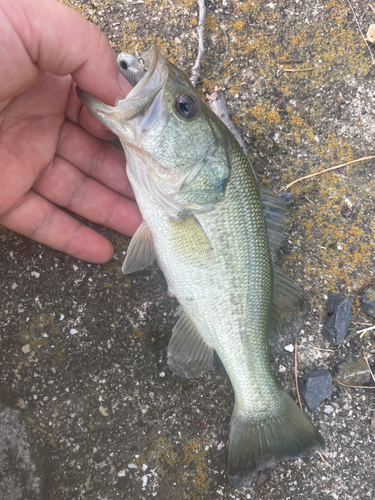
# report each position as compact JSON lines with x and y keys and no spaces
{"x":141,"y":252}
{"x":189,"y":240}
{"x":188,"y":353}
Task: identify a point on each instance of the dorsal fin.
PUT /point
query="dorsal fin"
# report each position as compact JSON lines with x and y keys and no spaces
{"x":188,"y":353}
{"x":288,"y":302}
{"x":141,"y":251}
{"x":274,"y":216}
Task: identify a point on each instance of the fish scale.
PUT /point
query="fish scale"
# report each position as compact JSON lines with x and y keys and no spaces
{"x":212,"y":230}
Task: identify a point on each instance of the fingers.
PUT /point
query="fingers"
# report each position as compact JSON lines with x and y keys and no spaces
{"x":40,"y":220}
{"x":47,"y":35}
{"x":95,"y":158}
{"x":65,"y":185}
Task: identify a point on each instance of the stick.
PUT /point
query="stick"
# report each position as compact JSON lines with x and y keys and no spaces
{"x":369,"y":367}
{"x":326,"y":170}
{"x":325,"y":461}
{"x":363,"y":36}
{"x":298,"y":70}
{"x":362,"y":332}
{"x":354,"y":386}
{"x":322,"y":349}
{"x":197,"y":64}
{"x":295,"y":374}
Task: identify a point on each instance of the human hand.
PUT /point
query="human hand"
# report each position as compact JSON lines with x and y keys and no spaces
{"x":52,"y":150}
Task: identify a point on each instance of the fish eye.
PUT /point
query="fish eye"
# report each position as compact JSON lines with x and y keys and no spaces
{"x":123,"y":65}
{"x":186,"y":106}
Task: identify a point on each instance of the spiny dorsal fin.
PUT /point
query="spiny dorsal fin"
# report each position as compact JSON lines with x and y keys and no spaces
{"x":189,"y":240}
{"x":141,"y":251}
{"x":188,"y":354}
{"x":274,"y":216}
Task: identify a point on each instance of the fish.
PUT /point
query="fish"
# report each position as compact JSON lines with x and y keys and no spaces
{"x":213,"y":231}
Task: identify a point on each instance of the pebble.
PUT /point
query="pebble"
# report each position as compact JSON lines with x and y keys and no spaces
{"x":21,"y":404}
{"x":121,"y":473}
{"x":353,"y":372}
{"x":339,"y":313}
{"x":328,"y":409}
{"x":26,"y":348}
{"x":73,"y":331}
{"x":287,"y":197}
{"x":132,"y":466}
{"x":289,"y":347}
{"x":368,"y":301}
{"x":315,"y":387}
{"x":103,"y":411}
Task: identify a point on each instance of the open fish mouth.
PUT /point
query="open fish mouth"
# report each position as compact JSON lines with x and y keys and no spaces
{"x":140,"y":97}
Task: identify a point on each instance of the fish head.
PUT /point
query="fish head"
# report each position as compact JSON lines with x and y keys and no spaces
{"x":176,"y":147}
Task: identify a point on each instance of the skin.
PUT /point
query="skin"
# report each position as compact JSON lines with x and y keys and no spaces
{"x":53,"y":152}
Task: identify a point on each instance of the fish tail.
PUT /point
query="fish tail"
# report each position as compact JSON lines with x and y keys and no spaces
{"x":259,"y":442}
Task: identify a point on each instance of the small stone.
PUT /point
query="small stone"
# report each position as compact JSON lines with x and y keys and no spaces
{"x":21,"y":404}
{"x":287,"y":197}
{"x":26,"y":348}
{"x":353,"y":372}
{"x":289,"y":347}
{"x":73,"y":331}
{"x":121,"y":473}
{"x":339,"y":313}
{"x":103,"y":411}
{"x":328,"y":409}
{"x":132,"y":466}
{"x":262,"y":478}
{"x":315,"y":387}
{"x":368,"y":301}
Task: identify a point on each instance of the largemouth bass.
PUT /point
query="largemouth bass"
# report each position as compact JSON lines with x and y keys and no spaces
{"x":212,"y":230}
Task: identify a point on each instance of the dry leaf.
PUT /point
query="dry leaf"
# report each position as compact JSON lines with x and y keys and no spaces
{"x":370,"y":35}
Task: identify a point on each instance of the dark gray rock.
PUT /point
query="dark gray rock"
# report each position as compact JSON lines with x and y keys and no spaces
{"x":18,"y":477}
{"x":286,"y":196}
{"x":339,"y":313}
{"x":368,"y":301}
{"x":353,"y":372}
{"x":315,"y":387}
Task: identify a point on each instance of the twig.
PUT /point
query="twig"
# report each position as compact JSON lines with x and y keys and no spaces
{"x":321,"y":349}
{"x":197,"y":64}
{"x":325,"y":461}
{"x":362,"y":332}
{"x":363,"y":36}
{"x":354,"y":386}
{"x":358,"y":323}
{"x":372,"y":8}
{"x":298,"y":70}
{"x":295,"y":373}
{"x":326,"y":170}
{"x":292,"y":62}
{"x":369,"y":367}
{"x":222,"y":68}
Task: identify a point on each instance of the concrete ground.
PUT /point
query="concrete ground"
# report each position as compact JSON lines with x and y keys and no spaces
{"x":89,"y":409}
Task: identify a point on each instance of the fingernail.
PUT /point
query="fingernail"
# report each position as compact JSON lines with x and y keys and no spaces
{"x":124,"y":84}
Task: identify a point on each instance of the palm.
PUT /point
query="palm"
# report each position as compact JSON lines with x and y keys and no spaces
{"x":48,"y":159}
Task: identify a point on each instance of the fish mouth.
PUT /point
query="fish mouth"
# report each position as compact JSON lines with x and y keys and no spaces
{"x":140,"y":97}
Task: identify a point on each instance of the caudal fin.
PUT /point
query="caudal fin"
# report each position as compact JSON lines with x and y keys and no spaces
{"x":259,"y":442}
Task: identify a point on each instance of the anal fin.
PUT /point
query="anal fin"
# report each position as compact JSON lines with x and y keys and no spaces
{"x":141,"y":252}
{"x":188,"y":353}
